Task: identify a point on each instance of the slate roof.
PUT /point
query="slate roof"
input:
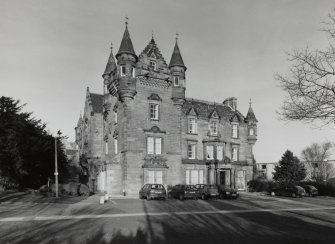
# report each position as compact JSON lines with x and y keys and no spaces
{"x":97,"y":102}
{"x":111,"y":65}
{"x":204,"y":109}
{"x":251,"y":116}
{"x":176,"y":59}
{"x":152,"y":48}
{"x":126,"y":44}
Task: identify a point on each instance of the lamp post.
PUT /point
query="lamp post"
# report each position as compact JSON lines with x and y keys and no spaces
{"x":56,"y":166}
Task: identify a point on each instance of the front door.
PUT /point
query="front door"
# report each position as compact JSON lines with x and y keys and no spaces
{"x":224,"y":177}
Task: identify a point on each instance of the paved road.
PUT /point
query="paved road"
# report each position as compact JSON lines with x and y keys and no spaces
{"x":251,"y":219}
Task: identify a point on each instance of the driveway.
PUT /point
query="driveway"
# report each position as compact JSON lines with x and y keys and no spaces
{"x":251,"y":219}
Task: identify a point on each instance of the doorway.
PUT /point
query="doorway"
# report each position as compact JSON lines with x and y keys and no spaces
{"x":224,"y":177}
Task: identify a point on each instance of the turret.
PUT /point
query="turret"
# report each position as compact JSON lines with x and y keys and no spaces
{"x":252,"y":126}
{"x":126,"y":63}
{"x":110,"y":74}
{"x":177,"y":69}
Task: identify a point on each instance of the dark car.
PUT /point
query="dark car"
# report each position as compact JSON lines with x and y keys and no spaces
{"x":226,"y":192}
{"x":291,"y":191}
{"x":152,"y":191}
{"x":184,"y":192}
{"x":311,"y":190}
{"x":207,"y":191}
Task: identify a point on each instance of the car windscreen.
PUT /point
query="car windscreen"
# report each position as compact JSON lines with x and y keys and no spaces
{"x":157,"y":187}
{"x":213,"y":187}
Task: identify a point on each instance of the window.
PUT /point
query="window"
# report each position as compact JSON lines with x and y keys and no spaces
{"x":115,"y":146}
{"x":192,"y":126}
{"x":219,"y":152}
{"x":194,"y":177}
{"x":213,"y":128}
{"x":210,"y":152}
{"x":123,"y":70}
{"x":133,"y":72}
{"x":251,"y":131}
{"x":155,"y":177}
{"x":154,"y":145}
{"x":154,"y":111}
{"x":191,"y":151}
{"x":153,"y":64}
{"x":263,"y":166}
{"x":235,"y":131}
{"x":115,"y":117}
{"x":106,"y":148}
{"x":176,"y":81}
{"x":235,"y":154}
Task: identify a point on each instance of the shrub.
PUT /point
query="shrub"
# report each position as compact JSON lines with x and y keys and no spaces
{"x":83,"y":190}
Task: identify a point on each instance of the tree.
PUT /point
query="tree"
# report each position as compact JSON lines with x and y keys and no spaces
{"x":310,"y":83}
{"x":316,"y":156}
{"x":290,"y":170}
{"x":26,"y":148}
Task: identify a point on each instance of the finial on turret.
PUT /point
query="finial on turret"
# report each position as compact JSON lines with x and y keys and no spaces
{"x":250,"y":102}
{"x":126,"y":20}
{"x":111,"y":45}
{"x":177,"y":36}
{"x":152,"y":34}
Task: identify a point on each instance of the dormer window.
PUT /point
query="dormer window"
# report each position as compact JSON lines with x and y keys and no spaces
{"x":235,"y":131}
{"x":213,"y":128}
{"x":153,"y":64}
{"x":123,"y":70}
{"x":192,"y":126}
{"x":176,"y":81}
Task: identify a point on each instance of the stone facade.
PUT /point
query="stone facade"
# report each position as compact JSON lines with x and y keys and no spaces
{"x":149,"y":132}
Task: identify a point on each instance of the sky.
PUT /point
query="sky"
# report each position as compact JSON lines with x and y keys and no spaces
{"x":50,"y":51}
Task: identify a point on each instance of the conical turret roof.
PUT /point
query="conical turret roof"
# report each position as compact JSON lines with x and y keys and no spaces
{"x":251,"y":116}
{"x":111,"y":65}
{"x":176,"y":59}
{"x":126,"y":44}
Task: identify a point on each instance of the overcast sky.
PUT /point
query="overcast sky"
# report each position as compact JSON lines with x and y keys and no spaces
{"x":50,"y":51}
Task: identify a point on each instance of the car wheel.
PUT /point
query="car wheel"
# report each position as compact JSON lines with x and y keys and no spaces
{"x":203,"y":197}
{"x":148,"y":198}
{"x":221,"y":196}
{"x":169,"y":195}
{"x":164,"y":198}
{"x":181,"y":197}
{"x":273,"y":193}
{"x":294,"y":195}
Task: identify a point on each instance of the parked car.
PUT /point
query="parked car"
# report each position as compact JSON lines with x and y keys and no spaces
{"x":184,"y":192}
{"x":311,"y":190}
{"x":207,"y":191}
{"x":152,"y":191}
{"x":226,"y":192}
{"x":291,"y":191}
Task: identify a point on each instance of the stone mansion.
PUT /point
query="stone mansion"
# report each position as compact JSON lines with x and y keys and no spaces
{"x":143,"y":129}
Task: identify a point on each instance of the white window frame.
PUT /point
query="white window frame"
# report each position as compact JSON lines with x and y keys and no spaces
{"x":213,"y":128}
{"x":192,"y":126}
{"x":153,"y":64}
{"x":235,"y":130}
{"x":106,"y":148}
{"x":209,"y":152}
{"x":115,"y":146}
{"x":155,"y":177}
{"x":191,"y":147}
{"x":133,"y":72}
{"x":194,"y":176}
{"x":154,"y":111}
{"x":154,"y":145}
{"x":176,"y":81}
{"x":219,"y":152}
{"x":251,"y":131}
{"x":234,"y":153}
{"x":123,"y":70}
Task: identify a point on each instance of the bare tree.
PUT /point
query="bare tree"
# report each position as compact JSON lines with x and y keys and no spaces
{"x":310,"y":83}
{"x":315,"y":157}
